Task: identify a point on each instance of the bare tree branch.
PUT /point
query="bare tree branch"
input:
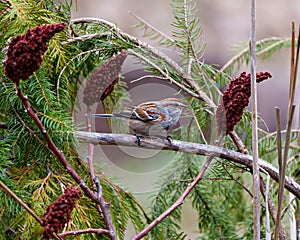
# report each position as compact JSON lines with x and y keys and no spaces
{"x":188,"y":147}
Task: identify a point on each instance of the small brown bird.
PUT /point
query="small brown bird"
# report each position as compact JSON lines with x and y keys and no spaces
{"x":150,"y":118}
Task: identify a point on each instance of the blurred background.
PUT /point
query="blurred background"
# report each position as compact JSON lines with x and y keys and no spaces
{"x":225,"y":24}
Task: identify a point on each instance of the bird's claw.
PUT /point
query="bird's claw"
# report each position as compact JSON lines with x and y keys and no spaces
{"x":138,"y":139}
{"x":169,"y":138}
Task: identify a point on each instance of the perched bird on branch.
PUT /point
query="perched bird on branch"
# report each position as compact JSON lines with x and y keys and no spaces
{"x":152,"y":118}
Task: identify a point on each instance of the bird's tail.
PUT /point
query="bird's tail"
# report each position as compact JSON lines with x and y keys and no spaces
{"x":99,"y":115}
{"x":125,"y":114}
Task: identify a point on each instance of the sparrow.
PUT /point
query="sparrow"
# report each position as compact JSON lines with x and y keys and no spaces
{"x":150,"y":118}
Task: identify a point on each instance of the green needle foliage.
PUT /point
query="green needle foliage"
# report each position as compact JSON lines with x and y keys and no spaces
{"x":28,"y":167}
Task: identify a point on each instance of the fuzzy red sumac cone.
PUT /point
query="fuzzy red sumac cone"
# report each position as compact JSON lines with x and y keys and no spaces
{"x":102,"y":80}
{"x":235,"y":99}
{"x":58,"y":213}
{"x":24,"y":54}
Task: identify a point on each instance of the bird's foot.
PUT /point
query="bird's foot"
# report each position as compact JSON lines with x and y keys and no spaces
{"x":169,"y":138}
{"x":138,"y":139}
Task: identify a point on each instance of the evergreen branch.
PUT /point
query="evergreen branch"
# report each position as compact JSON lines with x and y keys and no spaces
{"x":140,"y":44}
{"x":272,"y":134}
{"x":163,"y":73}
{"x":40,"y":189}
{"x":188,"y":147}
{"x":267,"y":45}
{"x":191,"y":39}
{"x":61,"y":157}
{"x":167,"y":40}
{"x":65,"y":67}
{"x":85,"y":231}
{"x":237,"y":182}
{"x":42,"y":90}
{"x":84,"y":38}
{"x":274,"y":46}
{"x":20,"y":201}
{"x":30,"y":130}
{"x":208,"y":209}
{"x":27,"y":170}
{"x":138,"y":205}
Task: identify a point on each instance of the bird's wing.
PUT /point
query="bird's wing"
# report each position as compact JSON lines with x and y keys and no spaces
{"x":146,"y":113}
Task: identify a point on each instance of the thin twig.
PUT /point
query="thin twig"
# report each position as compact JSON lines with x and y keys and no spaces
{"x":148,"y":76}
{"x":279,"y":145}
{"x":85,"y":37}
{"x":148,"y":25}
{"x":163,"y":73}
{"x":279,"y":153}
{"x":284,"y":163}
{"x":292,"y":67}
{"x":27,"y":170}
{"x":43,"y":183}
{"x":98,"y":186}
{"x":90,"y":151}
{"x":20,"y":201}
{"x":267,"y":197}
{"x":288,"y":207}
{"x":85,"y":231}
{"x":238,"y":183}
{"x":297,"y":63}
{"x":238,"y":142}
{"x":271,"y":205}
